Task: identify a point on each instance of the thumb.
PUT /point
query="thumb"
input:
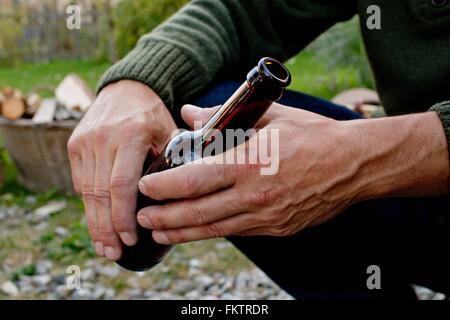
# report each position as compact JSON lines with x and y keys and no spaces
{"x":192,"y":114}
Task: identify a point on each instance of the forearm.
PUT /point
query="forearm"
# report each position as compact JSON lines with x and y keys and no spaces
{"x":405,"y":156}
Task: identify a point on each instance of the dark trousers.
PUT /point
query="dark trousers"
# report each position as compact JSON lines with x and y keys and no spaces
{"x":408,"y":239}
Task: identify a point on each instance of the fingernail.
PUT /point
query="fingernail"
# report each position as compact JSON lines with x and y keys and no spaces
{"x":192,"y":109}
{"x":112,"y":253}
{"x":160,"y":237}
{"x":128,"y":238}
{"x":99,"y":248}
{"x":144,"y":221}
{"x":142,"y":187}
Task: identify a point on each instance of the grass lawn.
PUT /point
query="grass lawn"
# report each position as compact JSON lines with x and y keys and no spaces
{"x":27,"y":76}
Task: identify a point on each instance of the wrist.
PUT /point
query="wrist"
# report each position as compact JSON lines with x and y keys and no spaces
{"x":405,"y":156}
{"x":133,"y":90}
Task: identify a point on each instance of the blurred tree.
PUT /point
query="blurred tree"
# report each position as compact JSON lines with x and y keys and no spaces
{"x":10,"y":31}
{"x":134,"y":18}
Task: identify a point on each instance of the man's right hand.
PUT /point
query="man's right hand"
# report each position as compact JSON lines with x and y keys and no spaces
{"x":107,"y":151}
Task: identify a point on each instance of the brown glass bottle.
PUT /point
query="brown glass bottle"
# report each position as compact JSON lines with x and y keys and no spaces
{"x":264,"y":85}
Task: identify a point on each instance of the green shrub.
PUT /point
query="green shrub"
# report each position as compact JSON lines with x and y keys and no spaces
{"x":134,"y":18}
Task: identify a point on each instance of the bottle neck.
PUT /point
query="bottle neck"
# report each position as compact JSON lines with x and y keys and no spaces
{"x":265,"y":84}
{"x":226,"y":114}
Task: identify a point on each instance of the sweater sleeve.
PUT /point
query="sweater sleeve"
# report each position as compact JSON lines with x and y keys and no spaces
{"x":208,"y":38}
{"x":443,"y":111}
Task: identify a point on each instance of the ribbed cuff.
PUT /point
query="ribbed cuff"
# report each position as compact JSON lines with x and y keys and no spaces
{"x":443,"y":111}
{"x":163,"y":67}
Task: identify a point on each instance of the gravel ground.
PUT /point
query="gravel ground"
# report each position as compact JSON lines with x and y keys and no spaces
{"x":35,"y":275}
{"x":40,"y":244}
{"x":251,"y":284}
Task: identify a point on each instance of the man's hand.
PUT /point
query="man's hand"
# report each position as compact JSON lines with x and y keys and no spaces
{"x":107,"y":151}
{"x":324,"y":167}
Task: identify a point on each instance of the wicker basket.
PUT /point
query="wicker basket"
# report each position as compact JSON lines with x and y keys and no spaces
{"x":40,"y":153}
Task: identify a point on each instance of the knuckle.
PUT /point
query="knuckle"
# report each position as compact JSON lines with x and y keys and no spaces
{"x":81,"y":138}
{"x":189,"y":185}
{"x":264,"y":197}
{"x":158,"y":222}
{"x":259,"y":198}
{"x":73,"y":146}
{"x":135,"y":125}
{"x":101,"y":135}
{"x":120,"y":184}
{"x":121,"y":221}
{"x":214,"y":231}
{"x":102,"y":194}
{"x":227,"y":172}
{"x":87,"y":193}
{"x":176,"y":236}
{"x":196,"y":215}
{"x":107,"y":233}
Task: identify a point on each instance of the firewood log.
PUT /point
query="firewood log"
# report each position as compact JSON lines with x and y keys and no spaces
{"x":9,"y":92}
{"x":13,"y":108}
{"x":74,"y":93}
{"x":33,"y":103}
{"x":12,"y":103}
{"x":46,"y":113}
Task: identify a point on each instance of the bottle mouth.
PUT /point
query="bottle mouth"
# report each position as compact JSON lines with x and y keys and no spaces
{"x":275,"y":71}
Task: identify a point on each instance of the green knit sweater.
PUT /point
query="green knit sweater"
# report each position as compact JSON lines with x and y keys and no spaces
{"x":207,"y":39}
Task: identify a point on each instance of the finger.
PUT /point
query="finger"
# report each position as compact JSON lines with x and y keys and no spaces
{"x":188,"y":181}
{"x":227,"y":227}
{"x":188,"y":213}
{"x":274,"y":111}
{"x":270,"y":230}
{"x":123,"y":184}
{"x":103,"y":166}
{"x":191,"y":114}
{"x":258,"y":231}
{"x":87,"y":192}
